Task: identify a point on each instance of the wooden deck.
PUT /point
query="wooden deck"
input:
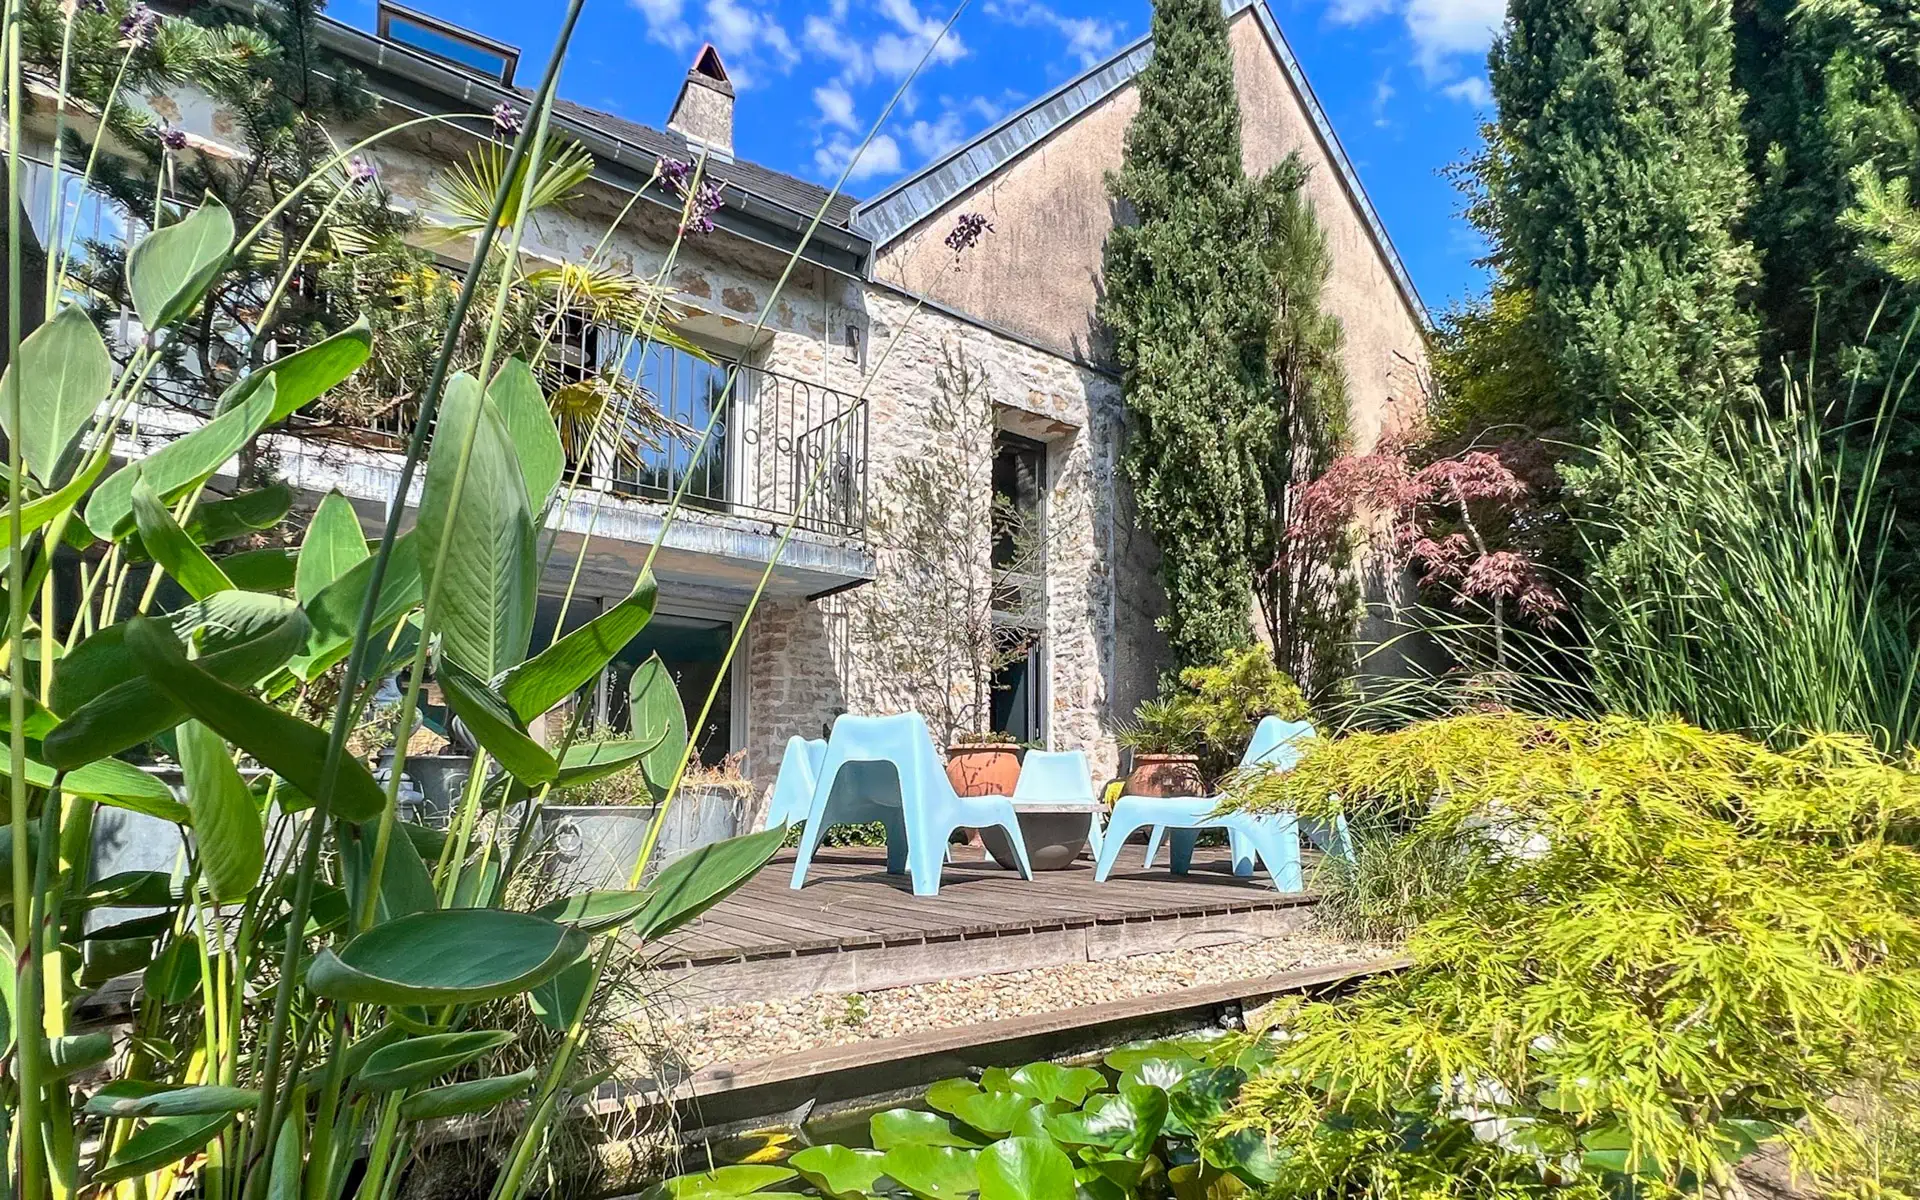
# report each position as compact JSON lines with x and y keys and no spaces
{"x":856,"y":928}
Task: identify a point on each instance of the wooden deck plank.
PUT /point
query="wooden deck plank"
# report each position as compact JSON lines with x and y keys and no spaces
{"x":850,"y":903}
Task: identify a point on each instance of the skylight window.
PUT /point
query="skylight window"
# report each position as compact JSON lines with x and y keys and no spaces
{"x":449,"y":43}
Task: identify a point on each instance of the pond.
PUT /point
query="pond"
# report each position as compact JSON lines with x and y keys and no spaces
{"x":1128,"y":1125}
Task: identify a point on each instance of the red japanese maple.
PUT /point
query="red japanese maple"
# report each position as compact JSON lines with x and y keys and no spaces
{"x":1434,"y":518}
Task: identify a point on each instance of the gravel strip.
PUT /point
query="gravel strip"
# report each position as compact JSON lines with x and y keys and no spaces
{"x":748,"y":1032}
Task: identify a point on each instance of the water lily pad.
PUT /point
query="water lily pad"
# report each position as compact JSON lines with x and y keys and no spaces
{"x":943,"y":1095}
{"x":933,"y":1172}
{"x":907,"y":1127}
{"x":993,"y":1112}
{"x":1024,"y":1169}
{"x":841,"y":1172}
{"x":1047,"y":1082}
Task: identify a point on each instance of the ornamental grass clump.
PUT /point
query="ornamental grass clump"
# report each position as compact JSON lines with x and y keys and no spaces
{"x":1673,"y":946}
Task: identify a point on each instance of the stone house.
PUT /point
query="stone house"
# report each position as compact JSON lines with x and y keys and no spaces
{"x":837,"y":375}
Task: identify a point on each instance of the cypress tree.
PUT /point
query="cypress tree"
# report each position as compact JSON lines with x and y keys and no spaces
{"x":1620,"y":189}
{"x":1833,"y":129}
{"x":1307,"y":606}
{"x":1188,"y":310}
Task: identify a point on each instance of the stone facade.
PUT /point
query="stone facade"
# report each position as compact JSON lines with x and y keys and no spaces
{"x":1019,"y":308}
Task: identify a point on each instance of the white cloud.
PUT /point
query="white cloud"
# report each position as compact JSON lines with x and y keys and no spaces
{"x":1472,"y":90}
{"x":748,"y":35}
{"x":881,"y":157}
{"x":1089,"y":39}
{"x":897,"y":54}
{"x":835,"y":103}
{"x":1354,"y":12}
{"x":1382,"y":96}
{"x":1443,"y":32}
{"x":1444,"y":29}
{"x":931,"y":139}
{"x":824,"y":38}
{"x":665,"y":22}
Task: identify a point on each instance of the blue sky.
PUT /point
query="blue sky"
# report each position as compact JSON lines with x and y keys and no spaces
{"x":1402,"y":80}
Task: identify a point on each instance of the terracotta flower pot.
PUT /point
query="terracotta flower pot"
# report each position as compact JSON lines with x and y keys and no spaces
{"x":1166,"y":775}
{"x":983,"y":769}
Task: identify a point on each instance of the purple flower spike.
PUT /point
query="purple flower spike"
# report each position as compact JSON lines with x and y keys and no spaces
{"x":361,"y":172}
{"x":138,"y":26}
{"x":171,"y":138}
{"x":508,"y":121}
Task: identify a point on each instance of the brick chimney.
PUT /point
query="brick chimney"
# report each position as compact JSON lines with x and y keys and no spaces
{"x":704,"y":112}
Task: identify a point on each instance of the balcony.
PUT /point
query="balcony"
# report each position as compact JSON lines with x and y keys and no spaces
{"x":783,"y":451}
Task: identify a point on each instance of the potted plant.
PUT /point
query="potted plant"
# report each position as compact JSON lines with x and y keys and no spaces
{"x":594,"y":835}
{"x":983,"y":764}
{"x":1163,"y":736}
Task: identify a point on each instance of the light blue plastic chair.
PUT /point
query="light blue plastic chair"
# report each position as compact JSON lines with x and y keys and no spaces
{"x":1272,"y":838}
{"x":886,"y":769}
{"x":1060,"y":777}
{"x":793,"y":787}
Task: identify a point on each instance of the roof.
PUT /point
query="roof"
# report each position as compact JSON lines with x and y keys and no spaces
{"x":762,"y":205}
{"x":919,"y":195}
{"x":777,"y":186}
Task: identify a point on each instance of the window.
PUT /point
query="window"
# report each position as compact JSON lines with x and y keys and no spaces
{"x":448,"y":43}
{"x":692,"y":649}
{"x":687,"y":391}
{"x":1019,"y":566}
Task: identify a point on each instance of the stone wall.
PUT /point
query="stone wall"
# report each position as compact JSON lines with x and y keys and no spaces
{"x":806,"y":660}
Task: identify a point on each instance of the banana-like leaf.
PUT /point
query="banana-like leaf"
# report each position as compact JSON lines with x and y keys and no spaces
{"x":658,"y":716}
{"x":405,"y":886}
{"x":73,"y":1054}
{"x":494,"y":725}
{"x":138,"y":1098}
{"x":470,"y":1096}
{"x":596,"y":911}
{"x":691,"y":885}
{"x":335,"y":612}
{"x":414,"y":1061}
{"x":222,"y":520}
{"x":588,"y":761}
{"x":172,"y":548}
{"x":270,"y":569}
{"x":280,"y":741}
{"x":63,"y":374}
{"x":228,"y":833}
{"x":539,"y":683}
{"x":109,"y":781}
{"x":454,"y":956}
{"x":161,"y":1142}
{"x":172,"y":268}
{"x":110,"y":704}
{"x":485,"y":604}
{"x":306,"y":374}
{"x":36,"y":513}
{"x":516,"y":396}
{"x":556,"y":1002}
{"x":334,"y":544}
{"x":180,"y":464}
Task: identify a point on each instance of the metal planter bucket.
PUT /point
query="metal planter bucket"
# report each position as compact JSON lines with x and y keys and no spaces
{"x":596,"y":846}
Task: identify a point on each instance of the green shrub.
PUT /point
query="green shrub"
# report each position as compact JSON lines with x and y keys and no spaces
{"x":1212,"y":710}
{"x":1674,"y":945}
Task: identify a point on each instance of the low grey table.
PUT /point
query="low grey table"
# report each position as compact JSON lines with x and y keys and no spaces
{"x":1055,"y":834}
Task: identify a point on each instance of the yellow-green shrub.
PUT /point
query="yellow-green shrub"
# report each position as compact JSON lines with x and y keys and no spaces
{"x":1675,"y":943}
